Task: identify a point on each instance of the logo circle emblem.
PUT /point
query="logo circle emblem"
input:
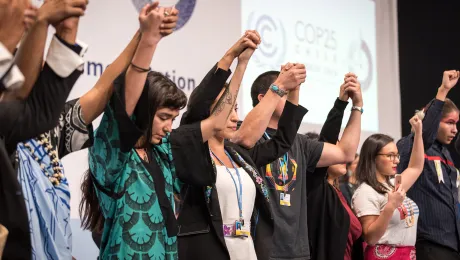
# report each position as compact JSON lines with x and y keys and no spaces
{"x":272,"y":50}
{"x":185,"y":7}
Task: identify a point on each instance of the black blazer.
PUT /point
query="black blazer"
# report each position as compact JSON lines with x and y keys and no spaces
{"x":200,"y":221}
{"x":328,"y":220}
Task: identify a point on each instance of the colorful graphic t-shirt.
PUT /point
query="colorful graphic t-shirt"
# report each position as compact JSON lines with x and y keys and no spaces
{"x":287,"y":183}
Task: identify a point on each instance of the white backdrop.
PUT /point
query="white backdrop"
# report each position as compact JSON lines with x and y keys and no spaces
{"x":214,"y":25}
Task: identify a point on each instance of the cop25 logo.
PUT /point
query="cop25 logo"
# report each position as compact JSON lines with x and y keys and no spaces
{"x":272,"y":50}
{"x":185,"y":8}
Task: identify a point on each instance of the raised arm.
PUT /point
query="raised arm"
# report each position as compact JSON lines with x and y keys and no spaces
{"x":345,"y":151}
{"x":22,"y":120}
{"x":330,"y":131}
{"x":331,"y":128}
{"x":219,"y":115}
{"x":417,"y":159}
{"x":94,"y":101}
{"x":150,"y":19}
{"x":12,"y":15}
{"x":29,"y":57}
{"x":11,"y":30}
{"x":434,"y":112}
{"x":210,"y":87}
{"x":256,"y":122}
{"x":280,"y":143}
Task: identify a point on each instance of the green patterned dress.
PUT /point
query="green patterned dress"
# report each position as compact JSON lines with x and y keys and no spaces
{"x":135,"y":226}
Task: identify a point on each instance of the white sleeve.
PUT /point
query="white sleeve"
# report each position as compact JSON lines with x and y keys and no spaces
{"x":366,"y":202}
{"x":10,"y":75}
{"x":63,"y":60}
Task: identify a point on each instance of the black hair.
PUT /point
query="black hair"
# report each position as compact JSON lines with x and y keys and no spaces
{"x":262,"y":84}
{"x":158,"y":92}
{"x":366,"y":170}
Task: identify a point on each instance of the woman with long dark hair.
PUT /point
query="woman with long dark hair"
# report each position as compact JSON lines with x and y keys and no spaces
{"x":388,"y":217}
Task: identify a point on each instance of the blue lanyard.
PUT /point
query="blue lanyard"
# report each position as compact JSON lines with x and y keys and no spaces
{"x":239,"y":196}
{"x":283,"y":164}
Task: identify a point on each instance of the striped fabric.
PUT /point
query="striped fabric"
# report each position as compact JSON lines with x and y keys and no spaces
{"x":437,"y":197}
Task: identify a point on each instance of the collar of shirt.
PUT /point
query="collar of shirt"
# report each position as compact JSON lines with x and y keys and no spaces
{"x":10,"y":75}
{"x":63,"y":60}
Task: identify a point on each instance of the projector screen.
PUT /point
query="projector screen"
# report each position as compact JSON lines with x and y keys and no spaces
{"x":331,"y":38}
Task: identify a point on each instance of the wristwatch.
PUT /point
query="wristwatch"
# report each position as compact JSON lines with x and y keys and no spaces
{"x":277,"y":90}
{"x":360,"y":109}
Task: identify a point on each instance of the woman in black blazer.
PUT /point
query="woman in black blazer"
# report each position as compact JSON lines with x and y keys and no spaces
{"x":205,"y":229}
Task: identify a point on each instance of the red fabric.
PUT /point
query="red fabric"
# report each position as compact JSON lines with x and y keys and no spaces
{"x":389,"y":252}
{"x":355,"y":230}
{"x":438,"y":158}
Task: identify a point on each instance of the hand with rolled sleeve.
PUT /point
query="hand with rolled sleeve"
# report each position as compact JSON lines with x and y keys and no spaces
{"x":56,"y":11}
{"x":40,"y":111}
{"x":12,"y":14}
{"x":12,"y":25}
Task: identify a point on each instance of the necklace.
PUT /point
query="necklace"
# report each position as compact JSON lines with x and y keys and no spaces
{"x":43,"y":140}
{"x":144,"y":157}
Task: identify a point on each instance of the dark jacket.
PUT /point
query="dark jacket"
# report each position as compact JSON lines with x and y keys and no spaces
{"x":437,"y":199}
{"x":200,"y":221}
{"x":328,"y":220}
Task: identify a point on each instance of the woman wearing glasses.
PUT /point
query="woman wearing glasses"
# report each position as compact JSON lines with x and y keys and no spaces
{"x":388,"y":217}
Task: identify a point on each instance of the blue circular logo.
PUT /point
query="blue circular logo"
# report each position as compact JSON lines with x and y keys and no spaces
{"x":272,"y":50}
{"x":185,"y":8}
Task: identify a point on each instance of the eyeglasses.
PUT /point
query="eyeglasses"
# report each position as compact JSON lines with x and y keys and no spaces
{"x":391,"y":156}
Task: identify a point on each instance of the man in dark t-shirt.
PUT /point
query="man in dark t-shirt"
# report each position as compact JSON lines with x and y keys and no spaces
{"x":286,"y":177}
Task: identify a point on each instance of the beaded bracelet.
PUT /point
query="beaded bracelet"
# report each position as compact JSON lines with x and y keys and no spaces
{"x":140,"y":69}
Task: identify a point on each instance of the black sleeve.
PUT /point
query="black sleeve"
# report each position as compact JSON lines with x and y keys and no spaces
{"x":191,"y":156}
{"x":199,"y":106}
{"x":22,"y":120}
{"x":431,"y":123}
{"x":288,"y":125}
{"x":405,"y":145}
{"x":129,"y":130}
{"x":331,"y":128}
